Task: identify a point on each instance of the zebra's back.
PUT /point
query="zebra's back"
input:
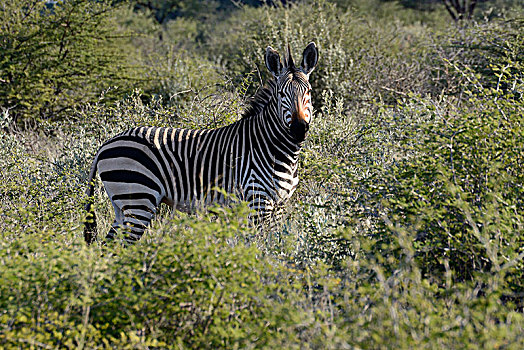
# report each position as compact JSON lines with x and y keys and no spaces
{"x":180,"y":167}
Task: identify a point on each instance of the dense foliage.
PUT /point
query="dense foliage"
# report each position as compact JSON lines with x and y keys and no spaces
{"x":54,"y":57}
{"x":407,"y":229}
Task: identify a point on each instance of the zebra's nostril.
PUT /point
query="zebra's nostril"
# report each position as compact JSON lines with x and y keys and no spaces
{"x":299,"y":128}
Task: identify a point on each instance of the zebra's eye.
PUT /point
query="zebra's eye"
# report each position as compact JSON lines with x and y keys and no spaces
{"x":287,"y":117}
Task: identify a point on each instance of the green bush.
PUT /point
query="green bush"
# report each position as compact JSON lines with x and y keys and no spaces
{"x":57,"y":55}
{"x":456,"y":194}
{"x":361,"y":59}
{"x":190,"y":283}
{"x":485,"y":49}
{"x":171,"y":71}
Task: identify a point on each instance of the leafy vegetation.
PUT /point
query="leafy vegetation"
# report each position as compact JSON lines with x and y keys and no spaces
{"x":56,"y":57}
{"x":406,"y":229}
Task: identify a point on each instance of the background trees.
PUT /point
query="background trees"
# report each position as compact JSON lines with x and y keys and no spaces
{"x":57,"y":55}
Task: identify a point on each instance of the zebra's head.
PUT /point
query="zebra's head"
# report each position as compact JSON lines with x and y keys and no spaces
{"x":293,"y":91}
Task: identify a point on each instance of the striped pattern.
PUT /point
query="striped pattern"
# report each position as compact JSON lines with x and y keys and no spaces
{"x":255,"y":158}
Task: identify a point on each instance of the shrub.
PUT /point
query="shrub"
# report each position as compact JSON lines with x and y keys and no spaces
{"x":360,"y":60}
{"x":485,"y":49}
{"x":191,"y":282}
{"x":57,"y":55}
{"x":457,"y":193}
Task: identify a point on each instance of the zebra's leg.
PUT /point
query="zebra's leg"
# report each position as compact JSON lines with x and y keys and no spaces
{"x":117,"y":223}
{"x":276,"y":217}
{"x":275,"y":223}
{"x":136,"y":221}
{"x":261,"y":210}
{"x":267,"y":217}
{"x":131,"y":221}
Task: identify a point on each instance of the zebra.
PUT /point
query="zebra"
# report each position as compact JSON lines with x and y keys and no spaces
{"x":255,"y":158}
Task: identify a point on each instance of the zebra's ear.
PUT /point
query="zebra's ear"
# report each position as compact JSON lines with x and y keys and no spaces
{"x":273,"y":63}
{"x":309,"y":58}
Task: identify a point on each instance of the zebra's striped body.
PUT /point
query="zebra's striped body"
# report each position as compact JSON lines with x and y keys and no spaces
{"x":254,"y":158}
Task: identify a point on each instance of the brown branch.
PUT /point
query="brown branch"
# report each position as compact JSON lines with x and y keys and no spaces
{"x":462,"y":6}
{"x":448,"y":4}
{"x":456,"y":5}
{"x":459,"y":10}
{"x":472,"y":5}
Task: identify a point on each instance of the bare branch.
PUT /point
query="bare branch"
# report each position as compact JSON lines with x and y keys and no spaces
{"x":472,"y":5}
{"x":456,"y":5}
{"x":448,"y":4}
{"x":460,"y":9}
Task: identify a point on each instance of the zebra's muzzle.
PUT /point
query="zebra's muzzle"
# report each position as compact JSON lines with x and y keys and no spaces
{"x":299,"y":129}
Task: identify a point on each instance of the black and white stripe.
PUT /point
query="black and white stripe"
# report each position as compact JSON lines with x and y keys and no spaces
{"x":255,"y":158}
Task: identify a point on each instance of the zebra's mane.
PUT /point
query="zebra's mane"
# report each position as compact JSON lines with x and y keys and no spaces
{"x":257,"y":103}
